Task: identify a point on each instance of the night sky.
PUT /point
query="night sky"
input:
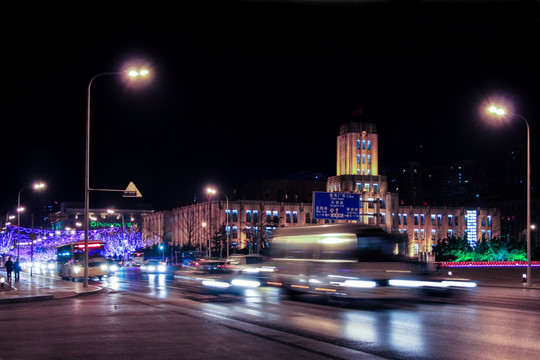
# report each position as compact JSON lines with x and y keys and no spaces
{"x":250,"y":90}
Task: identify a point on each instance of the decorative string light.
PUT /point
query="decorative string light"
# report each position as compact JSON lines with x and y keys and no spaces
{"x":118,"y":242}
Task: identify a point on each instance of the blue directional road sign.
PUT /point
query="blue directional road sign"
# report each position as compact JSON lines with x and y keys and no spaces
{"x":336,"y":206}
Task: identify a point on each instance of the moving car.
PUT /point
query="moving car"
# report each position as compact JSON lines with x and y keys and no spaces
{"x":154,"y":267}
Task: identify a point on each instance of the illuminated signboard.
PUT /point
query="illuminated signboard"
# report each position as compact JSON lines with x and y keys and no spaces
{"x":336,"y":206}
{"x":101,"y":225}
{"x":471,"y":218}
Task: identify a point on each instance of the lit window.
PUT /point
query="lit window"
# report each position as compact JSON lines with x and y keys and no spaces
{"x":255,"y":215}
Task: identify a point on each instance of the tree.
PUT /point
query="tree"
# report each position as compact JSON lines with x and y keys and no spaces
{"x":190,"y":225}
{"x":496,"y":249}
{"x":122,"y":243}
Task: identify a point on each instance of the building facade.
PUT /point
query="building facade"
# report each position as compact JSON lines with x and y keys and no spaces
{"x":249,"y":223}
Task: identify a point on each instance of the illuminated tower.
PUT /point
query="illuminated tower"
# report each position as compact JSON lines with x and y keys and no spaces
{"x":357,"y":168}
{"x":357,"y":149}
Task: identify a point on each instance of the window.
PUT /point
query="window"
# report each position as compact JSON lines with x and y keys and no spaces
{"x":363,"y":144}
{"x":450,"y":220}
{"x":415,"y":219}
{"x":369,"y":159}
{"x":358,"y":185}
{"x":404,"y":219}
{"x":235,"y":215}
{"x":489,"y":220}
{"x":308,"y":218}
{"x":275,"y":215}
{"x":295,"y":217}
{"x":268,"y":216}
{"x":358,"y":144}
{"x":235,"y":232}
{"x":376,"y":188}
{"x":422,"y":219}
{"x":369,"y":144}
{"x":255,"y":216}
{"x":363,"y":159}
{"x":433,"y":220}
{"x":227,"y":215}
{"x":358,"y":158}
{"x":288,"y":217}
{"x":439,"y":219}
{"x":248,"y":215}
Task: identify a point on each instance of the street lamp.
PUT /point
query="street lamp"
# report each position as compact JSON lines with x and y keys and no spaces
{"x":132,"y":74}
{"x":212,"y":191}
{"x":499,"y":111}
{"x":36,"y":186}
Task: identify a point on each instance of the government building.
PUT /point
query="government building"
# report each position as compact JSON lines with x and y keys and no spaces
{"x":248,"y":224}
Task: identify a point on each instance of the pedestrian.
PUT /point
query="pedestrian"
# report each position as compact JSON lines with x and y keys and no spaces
{"x":9,"y":268}
{"x":17,"y":269}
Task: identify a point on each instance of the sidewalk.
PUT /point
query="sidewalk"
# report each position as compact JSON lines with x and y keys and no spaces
{"x":41,"y":287}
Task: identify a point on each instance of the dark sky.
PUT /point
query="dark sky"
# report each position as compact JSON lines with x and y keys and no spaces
{"x":256,"y":89}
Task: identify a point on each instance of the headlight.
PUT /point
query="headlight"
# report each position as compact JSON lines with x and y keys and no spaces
{"x":104,"y":267}
{"x":245,"y":283}
{"x":76,"y":269}
{"x":50,"y":266}
{"x":151,"y":268}
{"x":162,"y":268}
{"x":113,"y":268}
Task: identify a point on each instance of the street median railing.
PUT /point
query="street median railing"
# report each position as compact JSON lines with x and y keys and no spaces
{"x":486,"y":263}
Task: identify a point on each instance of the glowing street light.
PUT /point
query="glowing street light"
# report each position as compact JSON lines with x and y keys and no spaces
{"x":131,"y":74}
{"x":138,"y":73}
{"x":499,"y":111}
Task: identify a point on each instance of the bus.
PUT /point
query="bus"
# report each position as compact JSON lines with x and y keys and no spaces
{"x":70,"y":260}
{"x":352,"y":261}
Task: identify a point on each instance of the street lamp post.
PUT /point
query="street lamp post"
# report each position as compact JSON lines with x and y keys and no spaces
{"x":501,"y":112}
{"x":37,"y":186}
{"x":212,"y":191}
{"x":132,"y":74}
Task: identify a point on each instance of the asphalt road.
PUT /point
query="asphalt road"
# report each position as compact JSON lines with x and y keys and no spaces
{"x":149,"y":316}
